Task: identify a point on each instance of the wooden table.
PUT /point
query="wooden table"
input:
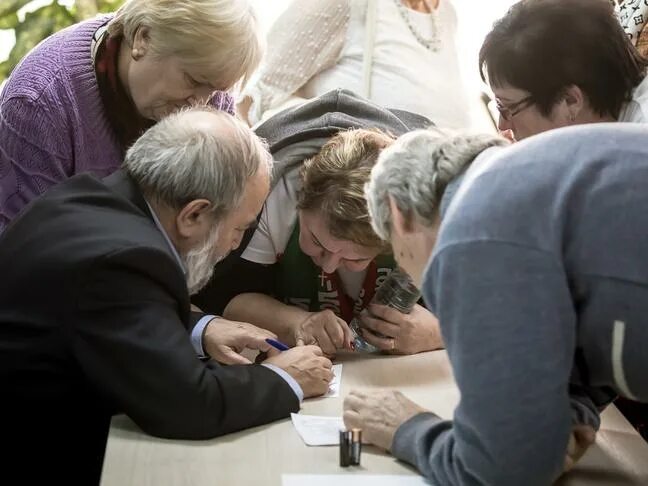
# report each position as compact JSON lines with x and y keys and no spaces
{"x":261,"y":455}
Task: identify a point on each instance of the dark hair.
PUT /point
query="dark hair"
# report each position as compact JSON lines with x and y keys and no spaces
{"x":544,"y":46}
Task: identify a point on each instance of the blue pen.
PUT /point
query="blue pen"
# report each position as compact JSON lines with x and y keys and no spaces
{"x":277,"y":344}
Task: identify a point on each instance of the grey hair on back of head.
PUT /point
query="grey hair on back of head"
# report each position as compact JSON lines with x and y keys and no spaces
{"x":186,"y":156}
{"x":415,"y":171}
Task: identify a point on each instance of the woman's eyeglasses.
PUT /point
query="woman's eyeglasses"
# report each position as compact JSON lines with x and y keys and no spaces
{"x":508,"y":112}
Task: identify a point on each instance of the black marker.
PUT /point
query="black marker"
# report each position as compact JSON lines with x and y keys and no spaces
{"x":345,"y":448}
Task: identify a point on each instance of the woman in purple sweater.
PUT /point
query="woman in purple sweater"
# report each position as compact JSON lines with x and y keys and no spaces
{"x":81,"y":97}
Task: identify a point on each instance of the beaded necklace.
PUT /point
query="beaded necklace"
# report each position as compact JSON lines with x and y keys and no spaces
{"x":433,"y":44}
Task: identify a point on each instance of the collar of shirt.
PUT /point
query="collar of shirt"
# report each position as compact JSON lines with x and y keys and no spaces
{"x":166,"y":237}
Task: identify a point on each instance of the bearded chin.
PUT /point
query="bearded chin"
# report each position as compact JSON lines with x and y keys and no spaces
{"x":200,"y":264}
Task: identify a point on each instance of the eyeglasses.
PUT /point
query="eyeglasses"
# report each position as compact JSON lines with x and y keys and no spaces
{"x":511,"y":110}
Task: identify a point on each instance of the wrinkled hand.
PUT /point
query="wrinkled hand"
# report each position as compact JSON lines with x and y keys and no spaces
{"x":581,"y":438}
{"x":410,"y":333}
{"x":326,"y":330}
{"x":379,"y":414}
{"x":308,"y":367}
{"x":225,"y":340}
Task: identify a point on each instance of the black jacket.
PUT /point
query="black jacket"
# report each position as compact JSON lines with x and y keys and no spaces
{"x":95,"y":319}
{"x":309,"y":125}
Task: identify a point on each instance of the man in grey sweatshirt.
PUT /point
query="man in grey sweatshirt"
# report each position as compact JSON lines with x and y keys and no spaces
{"x":539,"y":277}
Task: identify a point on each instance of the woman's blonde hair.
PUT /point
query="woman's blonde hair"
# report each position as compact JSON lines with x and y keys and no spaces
{"x":220,"y":36}
{"x":333,"y":183}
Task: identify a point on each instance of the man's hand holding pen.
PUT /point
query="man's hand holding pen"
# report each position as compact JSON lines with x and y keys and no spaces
{"x":225,"y":340}
{"x":308,"y":366}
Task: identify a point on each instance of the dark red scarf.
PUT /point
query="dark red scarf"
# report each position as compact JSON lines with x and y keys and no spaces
{"x":120,"y":109}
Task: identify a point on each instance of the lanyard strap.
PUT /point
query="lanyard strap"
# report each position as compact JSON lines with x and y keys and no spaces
{"x":300,"y":282}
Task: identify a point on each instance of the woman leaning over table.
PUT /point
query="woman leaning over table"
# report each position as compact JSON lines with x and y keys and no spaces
{"x":322,"y":262}
{"x":82,"y":96}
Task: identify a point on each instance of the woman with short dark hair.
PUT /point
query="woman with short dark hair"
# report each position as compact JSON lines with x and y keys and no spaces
{"x":553,"y":63}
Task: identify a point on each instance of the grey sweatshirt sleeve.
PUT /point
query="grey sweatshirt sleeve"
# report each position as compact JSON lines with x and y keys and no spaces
{"x":509,"y":327}
{"x":584,"y":410}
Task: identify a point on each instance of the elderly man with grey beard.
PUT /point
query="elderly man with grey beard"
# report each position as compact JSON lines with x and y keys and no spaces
{"x":94,"y":303}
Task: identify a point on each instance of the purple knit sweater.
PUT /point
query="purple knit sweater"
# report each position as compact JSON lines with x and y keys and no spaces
{"x":52,"y":121}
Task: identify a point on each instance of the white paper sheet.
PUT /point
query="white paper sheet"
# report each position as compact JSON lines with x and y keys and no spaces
{"x":334,"y":386}
{"x":316,"y":430}
{"x":351,"y":480}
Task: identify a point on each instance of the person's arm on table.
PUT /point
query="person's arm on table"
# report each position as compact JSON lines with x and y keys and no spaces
{"x":130,"y":342}
{"x":224,"y":340}
{"x":293,"y":325}
{"x":410,"y":333}
{"x":510,"y":333}
{"x":586,"y":405}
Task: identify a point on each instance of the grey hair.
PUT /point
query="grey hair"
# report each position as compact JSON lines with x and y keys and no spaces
{"x":415,"y":171}
{"x":220,"y":37}
{"x":195,"y":153}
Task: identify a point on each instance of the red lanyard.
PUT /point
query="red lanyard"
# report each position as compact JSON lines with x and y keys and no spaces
{"x":348,"y":308}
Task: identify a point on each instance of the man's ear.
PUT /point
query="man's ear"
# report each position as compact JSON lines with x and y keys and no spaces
{"x":574,"y":101}
{"x":194,"y":220}
{"x":401,"y":224}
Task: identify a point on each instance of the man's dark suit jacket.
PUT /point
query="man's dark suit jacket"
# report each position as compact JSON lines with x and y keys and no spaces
{"x":95,"y":320}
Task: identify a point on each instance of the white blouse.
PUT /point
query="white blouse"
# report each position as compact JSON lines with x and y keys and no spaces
{"x":636,"y":110}
{"x":319,"y":45}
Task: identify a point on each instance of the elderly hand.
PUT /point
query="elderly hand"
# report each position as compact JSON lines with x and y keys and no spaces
{"x":308,"y":367}
{"x":404,"y":333}
{"x":581,"y":438}
{"x":378,"y":414}
{"x":324,"y":329}
{"x":225,"y":340}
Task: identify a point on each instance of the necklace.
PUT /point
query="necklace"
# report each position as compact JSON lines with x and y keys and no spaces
{"x":433,"y":44}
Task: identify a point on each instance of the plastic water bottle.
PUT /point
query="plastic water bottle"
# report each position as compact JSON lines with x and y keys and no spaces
{"x":397,"y":291}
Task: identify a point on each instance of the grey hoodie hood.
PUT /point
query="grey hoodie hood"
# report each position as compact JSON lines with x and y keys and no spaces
{"x":299,"y":132}
{"x":294,"y":135}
